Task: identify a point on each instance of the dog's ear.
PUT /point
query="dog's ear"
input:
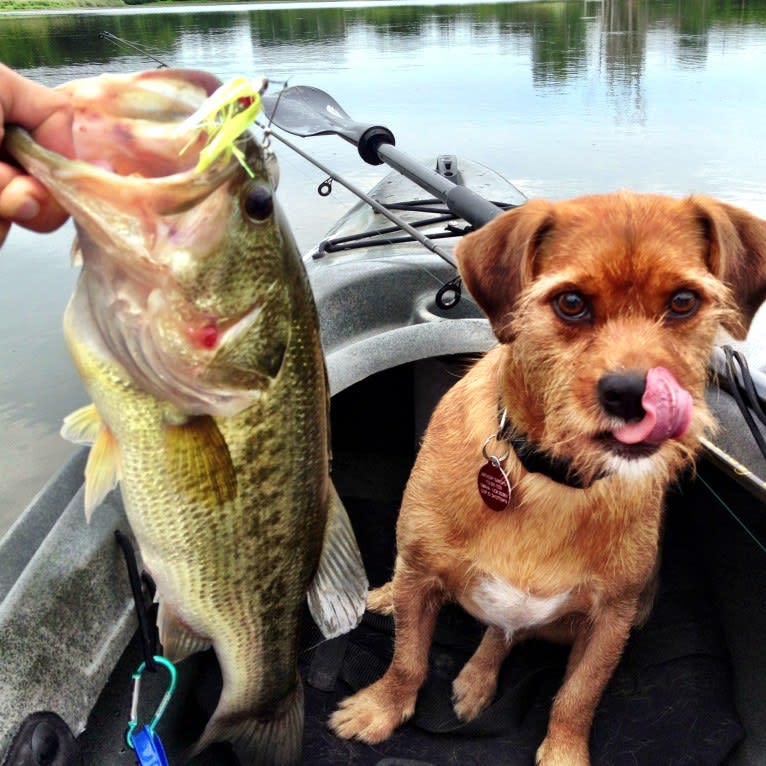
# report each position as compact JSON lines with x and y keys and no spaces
{"x":497,"y":261}
{"x":737,"y":255}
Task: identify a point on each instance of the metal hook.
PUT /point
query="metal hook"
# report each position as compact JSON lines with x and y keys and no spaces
{"x":266,"y":142}
{"x":496,"y":460}
{"x":133,"y":724}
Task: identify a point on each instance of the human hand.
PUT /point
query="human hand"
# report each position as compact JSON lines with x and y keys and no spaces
{"x":47,"y":115}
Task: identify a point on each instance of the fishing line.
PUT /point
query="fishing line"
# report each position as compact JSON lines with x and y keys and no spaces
{"x":736,"y":518}
{"x":392,"y":260}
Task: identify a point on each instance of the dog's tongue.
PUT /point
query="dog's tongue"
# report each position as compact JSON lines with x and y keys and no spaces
{"x":667,"y":407}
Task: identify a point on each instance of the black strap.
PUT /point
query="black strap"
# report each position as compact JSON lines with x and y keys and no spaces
{"x":147,"y":629}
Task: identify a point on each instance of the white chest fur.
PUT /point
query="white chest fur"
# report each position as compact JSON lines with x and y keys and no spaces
{"x":496,"y":602}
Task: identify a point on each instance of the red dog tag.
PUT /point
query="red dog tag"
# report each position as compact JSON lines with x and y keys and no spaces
{"x":494,"y":487}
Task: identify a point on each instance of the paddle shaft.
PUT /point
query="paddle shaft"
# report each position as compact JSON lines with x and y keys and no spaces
{"x":460,"y":200}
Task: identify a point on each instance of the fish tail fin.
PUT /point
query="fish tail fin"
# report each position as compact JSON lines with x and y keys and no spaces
{"x":266,"y":739}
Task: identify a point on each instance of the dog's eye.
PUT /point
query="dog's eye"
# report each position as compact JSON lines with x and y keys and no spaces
{"x":571,"y":306}
{"x":683,"y":304}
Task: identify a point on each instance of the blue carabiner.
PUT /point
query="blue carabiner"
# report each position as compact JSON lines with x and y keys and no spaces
{"x":145,"y":742}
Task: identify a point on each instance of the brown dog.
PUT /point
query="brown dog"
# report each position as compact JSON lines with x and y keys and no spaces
{"x":606,"y":309}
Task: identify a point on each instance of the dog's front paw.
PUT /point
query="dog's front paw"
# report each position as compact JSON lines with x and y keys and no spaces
{"x":562,"y":753}
{"x":473,"y":690}
{"x":371,"y":715}
{"x":381,"y":600}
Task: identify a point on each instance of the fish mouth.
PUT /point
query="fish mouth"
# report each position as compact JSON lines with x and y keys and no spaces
{"x":132,"y":125}
{"x":133,"y":150}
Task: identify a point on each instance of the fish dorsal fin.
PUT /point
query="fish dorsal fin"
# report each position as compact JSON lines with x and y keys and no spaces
{"x":102,"y":471}
{"x":338,"y":594}
{"x":178,"y":642}
{"x":82,"y":426}
{"x":198,"y":457}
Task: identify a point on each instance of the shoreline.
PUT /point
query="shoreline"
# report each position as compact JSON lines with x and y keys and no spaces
{"x":68,"y":7}
{"x":30,"y":6}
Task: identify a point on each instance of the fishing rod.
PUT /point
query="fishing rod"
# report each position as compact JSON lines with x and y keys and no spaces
{"x":127,"y":44}
{"x":373,"y":203}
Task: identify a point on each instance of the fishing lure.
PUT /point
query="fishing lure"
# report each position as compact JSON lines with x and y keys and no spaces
{"x":225,"y":116}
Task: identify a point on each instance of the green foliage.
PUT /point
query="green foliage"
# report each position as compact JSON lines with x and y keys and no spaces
{"x":33,"y":5}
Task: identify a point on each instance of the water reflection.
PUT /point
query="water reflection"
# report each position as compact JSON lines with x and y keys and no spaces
{"x":558,"y":35}
{"x":563,"y":98}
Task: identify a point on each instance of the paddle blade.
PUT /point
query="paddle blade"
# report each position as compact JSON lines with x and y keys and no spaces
{"x":306,"y":111}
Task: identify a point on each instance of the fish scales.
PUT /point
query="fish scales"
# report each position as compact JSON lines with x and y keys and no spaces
{"x":194,"y":331}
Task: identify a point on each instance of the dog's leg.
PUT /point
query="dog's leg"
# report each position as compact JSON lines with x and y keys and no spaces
{"x":597,"y":649}
{"x":372,"y":714}
{"x":476,"y":684}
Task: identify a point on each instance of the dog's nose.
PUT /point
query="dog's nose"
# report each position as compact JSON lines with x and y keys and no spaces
{"x":620,"y":394}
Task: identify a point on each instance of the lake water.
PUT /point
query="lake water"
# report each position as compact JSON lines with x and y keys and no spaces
{"x":563,"y":98}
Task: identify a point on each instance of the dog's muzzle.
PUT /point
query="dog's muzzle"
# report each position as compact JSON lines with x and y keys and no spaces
{"x":654,"y":407}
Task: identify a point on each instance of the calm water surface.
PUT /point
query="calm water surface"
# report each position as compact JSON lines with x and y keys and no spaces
{"x":563,"y":98}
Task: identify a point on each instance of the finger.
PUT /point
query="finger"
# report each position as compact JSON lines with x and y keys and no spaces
{"x":45,"y":113}
{"x":55,"y":133}
{"x":25,"y":201}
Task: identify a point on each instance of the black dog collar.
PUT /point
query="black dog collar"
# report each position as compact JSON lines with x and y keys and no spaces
{"x":539,"y":461}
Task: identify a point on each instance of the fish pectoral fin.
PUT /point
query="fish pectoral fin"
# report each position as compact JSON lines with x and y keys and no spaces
{"x":338,"y":594}
{"x":178,"y":642}
{"x":269,"y":737}
{"x":197,"y":456}
{"x":82,"y":426}
{"x":102,"y":471}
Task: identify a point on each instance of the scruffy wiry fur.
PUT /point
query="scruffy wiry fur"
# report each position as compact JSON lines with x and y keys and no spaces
{"x":575,"y":565}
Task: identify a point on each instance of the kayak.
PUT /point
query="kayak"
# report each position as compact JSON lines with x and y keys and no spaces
{"x":397,"y":331}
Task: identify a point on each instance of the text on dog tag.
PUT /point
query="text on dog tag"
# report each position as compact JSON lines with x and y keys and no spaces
{"x":494,"y":487}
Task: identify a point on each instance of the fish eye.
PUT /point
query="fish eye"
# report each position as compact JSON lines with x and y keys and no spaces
{"x":258,"y":202}
{"x":682,"y":304}
{"x":571,"y":306}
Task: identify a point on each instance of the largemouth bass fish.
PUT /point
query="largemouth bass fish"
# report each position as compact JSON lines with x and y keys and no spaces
{"x":194,"y":330}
